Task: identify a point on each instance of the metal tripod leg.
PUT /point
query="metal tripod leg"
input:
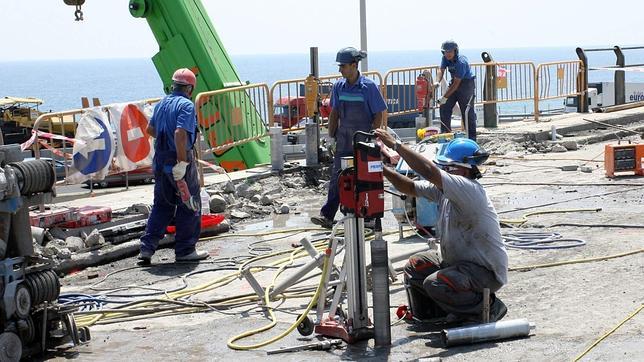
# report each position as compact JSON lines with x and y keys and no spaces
{"x":332,"y":249}
{"x":356,"y":273}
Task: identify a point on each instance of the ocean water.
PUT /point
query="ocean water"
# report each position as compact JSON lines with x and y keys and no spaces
{"x":61,"y":83}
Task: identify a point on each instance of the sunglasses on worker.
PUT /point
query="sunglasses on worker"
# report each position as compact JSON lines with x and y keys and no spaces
{"x":448,"y":168}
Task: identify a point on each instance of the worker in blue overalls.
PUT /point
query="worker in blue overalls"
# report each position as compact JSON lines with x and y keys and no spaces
{"x":356,"y":105}
{"x":174,"y":127}
{"x":462,"y":89}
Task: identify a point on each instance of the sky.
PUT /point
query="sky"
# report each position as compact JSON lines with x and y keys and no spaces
{"x":45,"y":29}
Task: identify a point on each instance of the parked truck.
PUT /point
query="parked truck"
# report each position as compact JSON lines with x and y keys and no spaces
{"x":602,"y":94}
{"x":290,"y":111}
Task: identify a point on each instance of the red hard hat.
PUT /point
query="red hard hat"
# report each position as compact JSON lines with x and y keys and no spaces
{"x":184,"y":76}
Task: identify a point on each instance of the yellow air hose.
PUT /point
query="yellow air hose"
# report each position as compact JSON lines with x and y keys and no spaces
{"x":301,"y":318}
{"x":524,"y":218}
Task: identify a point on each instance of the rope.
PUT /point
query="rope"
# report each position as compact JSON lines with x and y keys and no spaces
{"x":575,"y":261}
{"x":585,"y":352}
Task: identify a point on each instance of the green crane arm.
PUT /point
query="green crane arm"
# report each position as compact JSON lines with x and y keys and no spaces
{"x":187,"y":39}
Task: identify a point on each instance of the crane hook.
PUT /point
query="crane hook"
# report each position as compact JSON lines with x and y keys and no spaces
{"x":78,"y":13}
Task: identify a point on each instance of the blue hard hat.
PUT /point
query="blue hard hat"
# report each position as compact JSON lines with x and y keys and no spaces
{"x":461,"y":152}
{"x":350,"y":55}
{"x":449,"y":45}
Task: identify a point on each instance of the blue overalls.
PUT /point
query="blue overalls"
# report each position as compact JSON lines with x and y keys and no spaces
{"x":464,"y":95}
{"x":356,"y":104}
{"x":174,"y":111}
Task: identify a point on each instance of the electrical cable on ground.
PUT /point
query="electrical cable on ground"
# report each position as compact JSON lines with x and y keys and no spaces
{"x":568,"y":200}
{"x":539,"y":240}
{"x":624,"y":226}
{"x":524,"y":218}
{"x":574,"y":261}
{"x":585,"y":352}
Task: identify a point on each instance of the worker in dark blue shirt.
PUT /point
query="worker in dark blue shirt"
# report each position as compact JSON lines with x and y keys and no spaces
{"x":174,"y":127}
{"x":462,"y":89}
{"x":356,"y":105}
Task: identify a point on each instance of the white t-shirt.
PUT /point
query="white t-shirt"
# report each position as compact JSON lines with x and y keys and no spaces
{"x":468,"y":226}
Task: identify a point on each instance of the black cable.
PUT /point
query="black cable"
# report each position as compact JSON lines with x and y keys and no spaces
{"x":574,"y":199}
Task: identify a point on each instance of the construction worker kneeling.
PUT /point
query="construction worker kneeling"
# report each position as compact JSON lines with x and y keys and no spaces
{"x":449,"y":285}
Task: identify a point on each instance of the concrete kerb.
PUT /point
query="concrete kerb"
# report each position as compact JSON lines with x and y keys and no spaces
{"x":565,"y":124}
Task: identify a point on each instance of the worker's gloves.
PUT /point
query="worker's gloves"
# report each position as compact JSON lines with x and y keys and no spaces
{"x":179,"y":170}
{"x":330,"y":145}
{"x":442,"y":100}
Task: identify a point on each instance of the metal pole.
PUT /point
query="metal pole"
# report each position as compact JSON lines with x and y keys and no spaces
{"x":313,"y":140}
{"x":364,"y":65}
{"x":582,"y":99}
{"x":490,"y":115}
{"x":620,"y":77}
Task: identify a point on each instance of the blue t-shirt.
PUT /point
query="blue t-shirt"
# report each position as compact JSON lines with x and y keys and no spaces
{"x":364,"y":90}
{"x":174,"y":111}
{"x":459,"y":67}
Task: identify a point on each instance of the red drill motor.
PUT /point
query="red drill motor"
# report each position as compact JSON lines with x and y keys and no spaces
{"x":361,"y":186}
{"x":184,"y":193}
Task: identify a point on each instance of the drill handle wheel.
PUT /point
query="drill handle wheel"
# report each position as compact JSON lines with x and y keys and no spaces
{"x":366,"y":135}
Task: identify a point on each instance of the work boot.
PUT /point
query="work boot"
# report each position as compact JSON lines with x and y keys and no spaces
{"x":322,"y":221}
{"x":194,"y":256}
{"x":497,"y":310}
{"x":144,"y":258}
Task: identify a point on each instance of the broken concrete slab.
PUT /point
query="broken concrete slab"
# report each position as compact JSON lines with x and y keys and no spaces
{"x":559,"y":148}
{"x":569,"y":168}
{"x":218,"y":203}
{"x":75,"y":243}
{"x":94,"y":239}
{"x":570,"y":145}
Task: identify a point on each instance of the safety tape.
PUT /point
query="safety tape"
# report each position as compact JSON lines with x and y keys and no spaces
{"x":54,"y":150}
{"x":217,"y":169}
{"x":40,"y":134}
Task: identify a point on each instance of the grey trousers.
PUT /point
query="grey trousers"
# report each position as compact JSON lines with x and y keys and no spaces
{"x":456,"y":288}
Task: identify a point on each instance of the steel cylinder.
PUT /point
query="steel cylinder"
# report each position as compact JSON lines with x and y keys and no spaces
{"x":486,"y":332}
{"x":277,"y":150}
{"x":380,"y":292}
{"x":312,"y":142}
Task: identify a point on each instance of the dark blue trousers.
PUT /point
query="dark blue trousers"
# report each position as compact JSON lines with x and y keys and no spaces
{"x":168,"y":204}
{"x":464,"y":96}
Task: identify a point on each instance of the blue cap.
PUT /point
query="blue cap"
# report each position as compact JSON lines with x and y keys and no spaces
{"x":350,"y":55}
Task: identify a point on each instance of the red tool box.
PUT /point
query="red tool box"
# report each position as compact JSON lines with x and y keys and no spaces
{"x":89,"y":215}
{"x":52,"y":216}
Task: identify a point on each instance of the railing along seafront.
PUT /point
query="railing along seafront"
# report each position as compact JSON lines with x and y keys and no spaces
{"x":233,"y":116}
{"x":288,"y":99}
{"x":65,"y":122}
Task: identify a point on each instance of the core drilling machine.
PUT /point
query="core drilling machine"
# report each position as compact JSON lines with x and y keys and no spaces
{"x":31,"y":320}
{"x":362,"y":196}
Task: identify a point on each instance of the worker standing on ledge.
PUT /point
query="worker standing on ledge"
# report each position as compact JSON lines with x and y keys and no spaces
{"x":356,"y":105}
{"x":472,"y":255}
{"x":174,"y":127}
{"x":462,"y":89}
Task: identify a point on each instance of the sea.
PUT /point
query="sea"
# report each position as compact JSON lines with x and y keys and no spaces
{"x":62,"y":83}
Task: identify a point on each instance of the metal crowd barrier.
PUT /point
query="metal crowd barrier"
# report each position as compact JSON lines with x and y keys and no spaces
{"x":233,"y":116}
{"x":557,"y":80}
{"x":64,"y":124}
{"x":399,"y":88}
{"x":288,"y":99}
